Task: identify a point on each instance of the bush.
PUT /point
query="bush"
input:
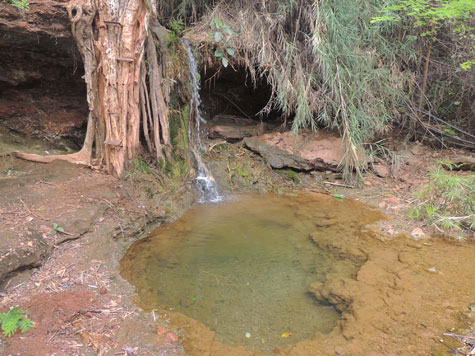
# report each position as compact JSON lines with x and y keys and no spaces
{"x":448,"y":200}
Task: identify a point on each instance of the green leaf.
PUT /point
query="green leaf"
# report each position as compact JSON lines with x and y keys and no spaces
{"x":218,"y":36}
{"x":230,"y":51}
{"x":450,"y":131}
{"x":225,"y":61}
{"x":338,"y":196}
{"x":229,"y":31}
{"x":60,"y":229}
{"x":10,"y":320}
{"x":218,"y":53}
{"x":218,"y":22}
{"x":26,"y":324}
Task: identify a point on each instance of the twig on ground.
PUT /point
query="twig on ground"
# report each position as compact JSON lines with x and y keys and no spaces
{"x":339,"y":184}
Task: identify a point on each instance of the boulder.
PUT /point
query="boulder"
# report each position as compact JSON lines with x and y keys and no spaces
{"x":305,"y":151}
{"x":234,"y":128}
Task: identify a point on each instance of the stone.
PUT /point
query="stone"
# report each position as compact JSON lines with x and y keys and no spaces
{"x":305,"y":151}
{"x":161,"y":330}
{"x":381,"y":170}
{"x":234,"y":128}
{"x":417,"y":233}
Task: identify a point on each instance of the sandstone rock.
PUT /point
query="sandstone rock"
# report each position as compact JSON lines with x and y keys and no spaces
{"x":15,"y":256}
{"x":381,"y":170}
{"x":305,"y":151}
{"x":234,"y":128}
{"x":417,"y":233}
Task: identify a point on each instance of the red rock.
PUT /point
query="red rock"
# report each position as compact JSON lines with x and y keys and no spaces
{"x":161,"y":330}
{"x":381,"y":170}
{"x":417,"y":233}
{"x":171,"y":337}
{"x":234,"y":128}
{"x":305,"y":151}
{"x":393,"y":200}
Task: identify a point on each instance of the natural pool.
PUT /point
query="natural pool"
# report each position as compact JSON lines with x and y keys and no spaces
{"x":243,"y":267}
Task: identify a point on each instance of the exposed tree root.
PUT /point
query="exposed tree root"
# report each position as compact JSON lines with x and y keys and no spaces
{"x":77,"y":158}
{"x":83,"y":157}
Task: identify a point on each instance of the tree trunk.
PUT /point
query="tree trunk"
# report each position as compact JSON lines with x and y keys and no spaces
{"x":111,"y":35}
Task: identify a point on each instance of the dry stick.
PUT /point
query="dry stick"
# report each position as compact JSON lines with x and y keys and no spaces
{"x":233,"y":104}
{"x":424,"y":81}
{"x":215,"y":144}
{"x":466,"y":339}
{"x":339,"y":184}
{"x":32,"y":213}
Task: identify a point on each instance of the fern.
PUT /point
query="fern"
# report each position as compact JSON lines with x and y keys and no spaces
{"x":26,"y":324}
{"x":13,"y":319}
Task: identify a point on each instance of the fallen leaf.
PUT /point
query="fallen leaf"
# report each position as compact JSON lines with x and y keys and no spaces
{"x":287,"y":334}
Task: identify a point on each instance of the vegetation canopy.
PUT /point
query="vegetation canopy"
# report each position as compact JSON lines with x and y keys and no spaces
{"x":358,"y":67}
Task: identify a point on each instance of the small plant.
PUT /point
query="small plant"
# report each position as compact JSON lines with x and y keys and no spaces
{"x":289,"y":174}
{"x":177,"y":27}
{"x":15,"y":319}
{"x":21,"y":4}
{"x":221,"y":34}
{"x":380,"y":150}
{"x":141,"y":166}
{"x":56,"y":229}
{"x":448,"y":200}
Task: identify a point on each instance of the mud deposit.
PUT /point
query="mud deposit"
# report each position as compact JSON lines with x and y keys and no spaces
{"x":247,"y":268}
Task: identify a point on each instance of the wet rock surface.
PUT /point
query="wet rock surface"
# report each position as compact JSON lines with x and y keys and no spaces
{"x":234,"y":128}
{"x":305,"y":151}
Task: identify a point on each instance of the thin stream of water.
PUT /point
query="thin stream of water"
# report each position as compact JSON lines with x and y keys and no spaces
{"x":204,"y":181}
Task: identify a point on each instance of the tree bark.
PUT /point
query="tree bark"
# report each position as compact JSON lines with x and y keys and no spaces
{"x":121,"y":32}
{"x":111,"y":37}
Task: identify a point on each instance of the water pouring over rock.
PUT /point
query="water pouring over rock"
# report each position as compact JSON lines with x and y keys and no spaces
{"x":204,"y":181}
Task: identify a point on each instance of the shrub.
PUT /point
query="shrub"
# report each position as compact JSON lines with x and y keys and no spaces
{"x":15,"y":319}
{"x":448,"y":200}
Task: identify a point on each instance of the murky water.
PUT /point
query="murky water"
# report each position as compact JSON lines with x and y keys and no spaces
{"x":242,"y":267}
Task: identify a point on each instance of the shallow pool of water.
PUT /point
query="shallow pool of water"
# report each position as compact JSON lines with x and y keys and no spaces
{"x":242,"y":267}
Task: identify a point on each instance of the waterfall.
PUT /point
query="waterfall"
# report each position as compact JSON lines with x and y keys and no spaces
{"x":204,"y":181}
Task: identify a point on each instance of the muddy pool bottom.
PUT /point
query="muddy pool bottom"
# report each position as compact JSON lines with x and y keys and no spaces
{"x":243,"y":267}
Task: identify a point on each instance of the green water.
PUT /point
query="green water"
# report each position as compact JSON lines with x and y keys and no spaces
{"x":242,"y":267}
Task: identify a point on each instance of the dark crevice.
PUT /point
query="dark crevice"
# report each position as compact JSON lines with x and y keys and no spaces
{"x":232,"y":92}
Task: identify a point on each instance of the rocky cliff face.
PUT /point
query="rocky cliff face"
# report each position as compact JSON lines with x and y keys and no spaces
{"x":42,"y":94}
